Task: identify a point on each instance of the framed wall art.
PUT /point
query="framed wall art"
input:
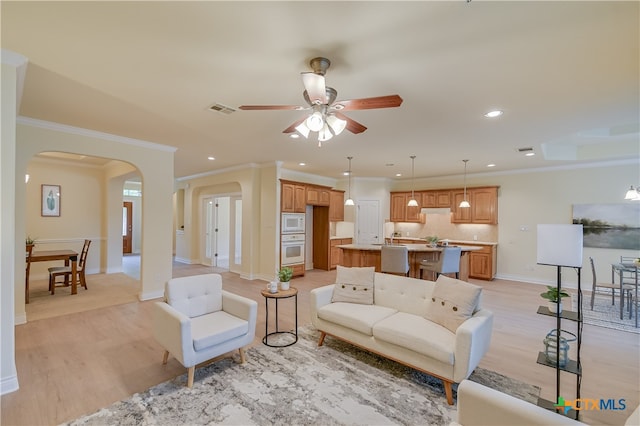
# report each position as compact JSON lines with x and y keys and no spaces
{"x":50,"y":200}
{"x":610,"y":226}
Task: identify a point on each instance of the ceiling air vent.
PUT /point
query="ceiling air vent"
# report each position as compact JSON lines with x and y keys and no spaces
{"x":222,"y":109}
{"x":528,"y":149}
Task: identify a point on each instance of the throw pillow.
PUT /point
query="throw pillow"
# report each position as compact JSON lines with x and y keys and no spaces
{"x":452,"y":302}
{"x":354,"y":285}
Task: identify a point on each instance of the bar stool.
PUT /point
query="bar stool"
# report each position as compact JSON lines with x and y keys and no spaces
{"x":394,"y":260}
{"x":448,"y":262}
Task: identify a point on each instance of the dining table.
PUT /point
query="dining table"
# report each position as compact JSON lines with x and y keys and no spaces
{"x":620,"y":269}
{"x":68,"y":256}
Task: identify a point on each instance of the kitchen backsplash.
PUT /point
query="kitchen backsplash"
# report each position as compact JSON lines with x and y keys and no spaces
{"x":440,"y":225}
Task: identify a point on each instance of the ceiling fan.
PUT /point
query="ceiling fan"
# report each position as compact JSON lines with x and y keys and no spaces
{"x":326,"y":116}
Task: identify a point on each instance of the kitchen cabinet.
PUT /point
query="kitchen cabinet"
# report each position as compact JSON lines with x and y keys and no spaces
{"x":293,"y":197}
{"x":484,"y":206}
{"x":298,"y":270}
{"x":336,"y":206}
{"x":400,"y":212}
{"x":318,"y":195}
{"x":336,"y":253}
{"x":436,"y":199}
{"x":482,"y":263}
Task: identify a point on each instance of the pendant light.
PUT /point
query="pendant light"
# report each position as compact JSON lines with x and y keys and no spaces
{"x":349,"y":201}
{"x":412,"y":202}
{"x":464,"y":203}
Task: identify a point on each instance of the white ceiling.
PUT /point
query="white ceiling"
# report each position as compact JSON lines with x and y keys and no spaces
{"x":566,"y":75}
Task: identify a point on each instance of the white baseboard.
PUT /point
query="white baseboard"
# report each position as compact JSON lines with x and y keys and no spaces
{"x":183,"y":260}
{"x":20,"y":319}
{"x":158,"y":294}
{"x":9,"y":384}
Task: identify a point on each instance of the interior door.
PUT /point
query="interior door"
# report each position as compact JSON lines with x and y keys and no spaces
{"x":127,"y":227}
{"x":368,"y":224}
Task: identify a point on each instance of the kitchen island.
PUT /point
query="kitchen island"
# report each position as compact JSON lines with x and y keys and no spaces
{"x":369,"y":255}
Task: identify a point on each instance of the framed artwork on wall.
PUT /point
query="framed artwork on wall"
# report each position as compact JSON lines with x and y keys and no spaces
{"x":610,"y":226}
{"x":50,"y":200}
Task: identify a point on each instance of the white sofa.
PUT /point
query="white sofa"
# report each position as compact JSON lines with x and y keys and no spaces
{"x":200,"y":321}
{"x":479,"y":405}
{"x":395,"y":327}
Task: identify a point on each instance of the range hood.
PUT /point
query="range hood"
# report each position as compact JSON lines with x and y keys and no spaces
{"x":434,"y":210}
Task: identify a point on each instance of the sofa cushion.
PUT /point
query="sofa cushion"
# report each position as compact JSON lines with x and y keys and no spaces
{"x":213,"y":329}
{"x":417,"y":334}
{"x":452,"y":302}
{"x":356,"y":316}
{"x":354,"y":285}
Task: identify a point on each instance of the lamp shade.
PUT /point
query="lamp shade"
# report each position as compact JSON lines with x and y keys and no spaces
{"x":315,"y":122}
{"x":464,"y":204}
{"x":336,"y":124}
{"x":303,"y":129}
{"x":349,"y":202}
{"x":325,"y":133}
{"x":560,"y":245}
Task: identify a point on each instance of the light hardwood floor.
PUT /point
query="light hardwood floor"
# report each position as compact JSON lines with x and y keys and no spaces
{"x":75,"y":364}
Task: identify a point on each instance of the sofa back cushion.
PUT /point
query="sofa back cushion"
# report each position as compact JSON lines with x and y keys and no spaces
{"x":196,"y":295}
{"x":354,"y":285}
{"x":405,"y":294}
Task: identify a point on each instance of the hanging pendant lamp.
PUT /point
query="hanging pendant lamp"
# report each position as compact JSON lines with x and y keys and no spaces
{"x":464,"y":203}
{"x":349,"y":201}
{"x":412,"y":202}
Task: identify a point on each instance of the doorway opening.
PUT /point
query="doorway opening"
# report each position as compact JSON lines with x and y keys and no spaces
{"x":222,"y":233}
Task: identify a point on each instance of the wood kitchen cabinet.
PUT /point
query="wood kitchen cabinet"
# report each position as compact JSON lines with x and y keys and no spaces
{"x":484,"y":206}
{"x":336,"y":206}
{"x":482,"y":263}
{"x":336,"y":252}
{"x":293,"y":197}
{"x":436,"y":199}
{"x":318,"y":195}
{"x":400,"y":212}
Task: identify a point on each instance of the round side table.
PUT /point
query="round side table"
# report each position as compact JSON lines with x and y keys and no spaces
{"x":281,"y":294}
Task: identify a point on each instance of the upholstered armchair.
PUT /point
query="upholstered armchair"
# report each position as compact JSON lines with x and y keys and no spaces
{"x":200,"y":321}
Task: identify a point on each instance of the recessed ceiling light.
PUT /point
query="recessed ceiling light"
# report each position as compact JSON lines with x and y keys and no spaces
{"x":302,"y":164}
{"x":491,"y":165}
{"x":211,"y":158}
{"x":530,"y":154}
{"x":493,"y":114}
{"x":398,"y":174}
{"x":294,"y":136}
{"x":346,"y":173}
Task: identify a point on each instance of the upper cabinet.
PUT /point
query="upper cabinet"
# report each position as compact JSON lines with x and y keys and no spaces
{"x":483,"y":200}
{"x":293,"y":198}
{"x":318,"y":195}
{"x":484,"y":206}
{"x":336,"y":206}
{"x":400,"y":212}
{"x":435,"y":199}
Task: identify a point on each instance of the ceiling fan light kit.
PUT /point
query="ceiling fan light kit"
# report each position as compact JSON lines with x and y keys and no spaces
{"x":325,"y":118}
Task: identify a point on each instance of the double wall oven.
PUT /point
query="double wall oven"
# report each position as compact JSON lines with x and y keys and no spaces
{"x":292,"y":239}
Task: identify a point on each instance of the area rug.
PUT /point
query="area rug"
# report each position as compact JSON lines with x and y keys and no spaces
{"x":301,"y":384}
{"x":604,"y":314}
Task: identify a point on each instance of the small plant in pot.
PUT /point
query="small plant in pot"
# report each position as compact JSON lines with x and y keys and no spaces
{"x":555,"y":298}
{"x":284,"y":275}
{"x":30,"y":241}
{"x":432,"y":240}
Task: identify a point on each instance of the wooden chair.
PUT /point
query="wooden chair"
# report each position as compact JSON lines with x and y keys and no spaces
{"x":448,"y":263}
{"x":65,"y":271}
{"x":611,"y":286}
{"x":28,"y":253}
{"x":394,"y":260}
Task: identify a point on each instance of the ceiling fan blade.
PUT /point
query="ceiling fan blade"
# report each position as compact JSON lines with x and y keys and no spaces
{"x":315,"y":87}
{"x":292,"y":128}
{"x":270,"y":107}
{"x":352,"y":125}
{"x":390,"y":101}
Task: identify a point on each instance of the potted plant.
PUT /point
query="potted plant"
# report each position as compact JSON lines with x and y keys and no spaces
{"x":554,"y":297}
{"x":30,"y":241}
{"x":284,"y":275}
{"x":432,"y":240}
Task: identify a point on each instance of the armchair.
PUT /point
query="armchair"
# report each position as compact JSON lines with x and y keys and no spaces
{"x":200,"y":321}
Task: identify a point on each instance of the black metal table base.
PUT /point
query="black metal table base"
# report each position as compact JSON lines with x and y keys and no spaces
{"x":294,"y":333}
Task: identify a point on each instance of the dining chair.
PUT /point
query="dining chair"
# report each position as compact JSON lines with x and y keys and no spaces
{"x":448,"y":263}
{"x":29,"y":251}
{"x":394,"y":260}
{"x":611,"y":286}
{"x":65,"y":271}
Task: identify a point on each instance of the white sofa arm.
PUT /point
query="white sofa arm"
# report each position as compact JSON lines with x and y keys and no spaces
{"x":240,"y":306}
{"x":479,"y":405}
{"x":172,"y":329}
{"x":319,"y":297}
{"x":473,"y":338}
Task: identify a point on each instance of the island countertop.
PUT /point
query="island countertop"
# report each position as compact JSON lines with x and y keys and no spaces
{"x":356,"y":255}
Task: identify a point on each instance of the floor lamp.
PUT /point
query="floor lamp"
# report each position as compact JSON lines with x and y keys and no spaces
{"x":560,"y":245}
